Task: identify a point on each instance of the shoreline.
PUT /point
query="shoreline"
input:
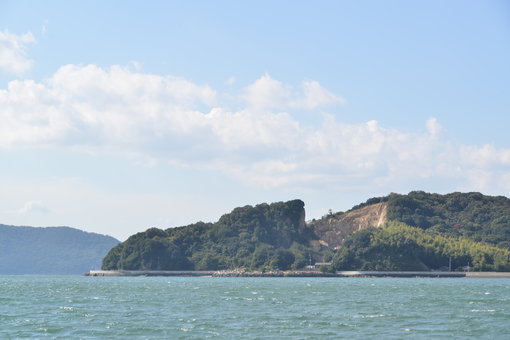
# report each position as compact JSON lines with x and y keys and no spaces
{"x":295,"y":273}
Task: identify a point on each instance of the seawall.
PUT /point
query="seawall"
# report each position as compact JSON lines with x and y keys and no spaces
{"x":295,"y":273}
{"x":149,"y":273}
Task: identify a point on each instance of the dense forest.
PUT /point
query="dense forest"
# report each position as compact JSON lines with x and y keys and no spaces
{"x":264,"y":236}
{"x":397,"y":246}
{"x":470,"y":215}
{"x":422,"y":232}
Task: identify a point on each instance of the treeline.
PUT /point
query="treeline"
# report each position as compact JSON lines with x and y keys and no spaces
{"x":425,"y":231}
{"x":397,"y":246}
{"x":470,"y":215}
{"x":264,"y":236}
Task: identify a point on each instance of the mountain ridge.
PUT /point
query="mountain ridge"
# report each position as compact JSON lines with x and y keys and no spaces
{"x":51,"y":250}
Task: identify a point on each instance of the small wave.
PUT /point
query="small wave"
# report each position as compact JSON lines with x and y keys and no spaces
{"x":369,"y":316}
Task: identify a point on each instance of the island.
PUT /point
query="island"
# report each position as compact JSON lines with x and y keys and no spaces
{"x":418,"y":232}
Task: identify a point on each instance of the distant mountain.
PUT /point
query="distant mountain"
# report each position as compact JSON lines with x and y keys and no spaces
{"x":52,"y":250}
{"x":417,"y":231}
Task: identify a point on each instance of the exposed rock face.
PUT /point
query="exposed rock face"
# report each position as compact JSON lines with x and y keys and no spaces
{"x":333,"y":230}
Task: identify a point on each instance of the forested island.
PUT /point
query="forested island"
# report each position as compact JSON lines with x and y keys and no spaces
{"x":415,"y":232}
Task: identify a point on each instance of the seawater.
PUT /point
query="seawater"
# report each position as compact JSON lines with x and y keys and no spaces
{"x":253,"y":308}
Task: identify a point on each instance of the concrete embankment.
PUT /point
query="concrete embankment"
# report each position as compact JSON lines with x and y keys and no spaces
{"x":422,"y":274}
{"x":297,"y":273}
{"x":488,"y":275}
{"x":149,"y":273}
{"x":275,"y":273}
{"x":398,"y":274}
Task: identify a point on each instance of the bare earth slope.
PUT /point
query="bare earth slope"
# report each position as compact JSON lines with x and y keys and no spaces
{"x":334,"y":229}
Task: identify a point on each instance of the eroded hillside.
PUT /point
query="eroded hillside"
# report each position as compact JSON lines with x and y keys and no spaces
{"x":332,"y":230}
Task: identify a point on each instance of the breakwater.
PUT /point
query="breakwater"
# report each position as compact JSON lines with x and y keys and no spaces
{"x":149,"y":273}
{"x":298,"y":273}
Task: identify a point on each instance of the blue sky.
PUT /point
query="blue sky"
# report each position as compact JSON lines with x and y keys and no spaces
{"x":118,"y":116}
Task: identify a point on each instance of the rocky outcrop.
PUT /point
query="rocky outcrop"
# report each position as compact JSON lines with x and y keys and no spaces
{"x":332,"y":230}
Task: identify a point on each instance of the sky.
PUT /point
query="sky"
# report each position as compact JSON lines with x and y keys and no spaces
{"x":118,"y":116}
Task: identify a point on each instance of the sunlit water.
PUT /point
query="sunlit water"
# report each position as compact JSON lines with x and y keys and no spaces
{"x":253,"y":308}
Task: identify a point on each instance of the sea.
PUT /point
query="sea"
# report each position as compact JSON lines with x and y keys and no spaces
{"x":63,"y":307}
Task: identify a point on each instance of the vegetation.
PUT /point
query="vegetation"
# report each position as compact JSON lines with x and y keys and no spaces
{"x":423,"y":231}
{"x":261,"y":237}
{"x":397,"y":246}
{"x":55,"y":250}
{"x":470,"y":215}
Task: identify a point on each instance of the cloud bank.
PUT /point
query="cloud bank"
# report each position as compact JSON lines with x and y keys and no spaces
{"x":169,"y":119}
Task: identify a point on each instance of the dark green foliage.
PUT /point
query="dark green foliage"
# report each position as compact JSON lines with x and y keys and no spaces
{"x":471,"y":215}
{"x":276,"y":236}
{"x":55,"y":250}
{"x":397,"y":246}
{"x":265,"y":236}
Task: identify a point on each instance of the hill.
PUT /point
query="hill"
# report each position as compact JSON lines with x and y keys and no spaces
{"x":397,"y":246}
{"x":472,"y":215}
{"x":276,"y":236}
{"x":52,"y":250}
{"x":267,"y":235}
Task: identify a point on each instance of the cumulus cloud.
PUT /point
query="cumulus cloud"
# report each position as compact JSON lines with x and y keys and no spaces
{"x":164,"y":118}
{"x":13,"y":59}
{"x":269,"y":93}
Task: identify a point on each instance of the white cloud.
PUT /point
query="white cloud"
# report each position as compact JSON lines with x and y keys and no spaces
{"x":433,"y":127}
{"x":230,"y":80}
{"x":485,"y":156}
{"x":28,"y":208}
{"x":317,"y":96}
{"x":269,"y":93}
{"x":44,"y":28}
{"x":12,"y":52}
{"x":90,"y":106}
{"x":163,"y":118}
{"x":33,"y":206}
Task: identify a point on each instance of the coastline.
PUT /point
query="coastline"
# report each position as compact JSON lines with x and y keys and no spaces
{"x":296,"y":273}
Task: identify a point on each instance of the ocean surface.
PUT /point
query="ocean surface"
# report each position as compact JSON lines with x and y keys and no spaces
{"x":253,"y":308}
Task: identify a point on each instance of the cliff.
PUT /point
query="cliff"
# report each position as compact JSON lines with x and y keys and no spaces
{"x":333,"y":230}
